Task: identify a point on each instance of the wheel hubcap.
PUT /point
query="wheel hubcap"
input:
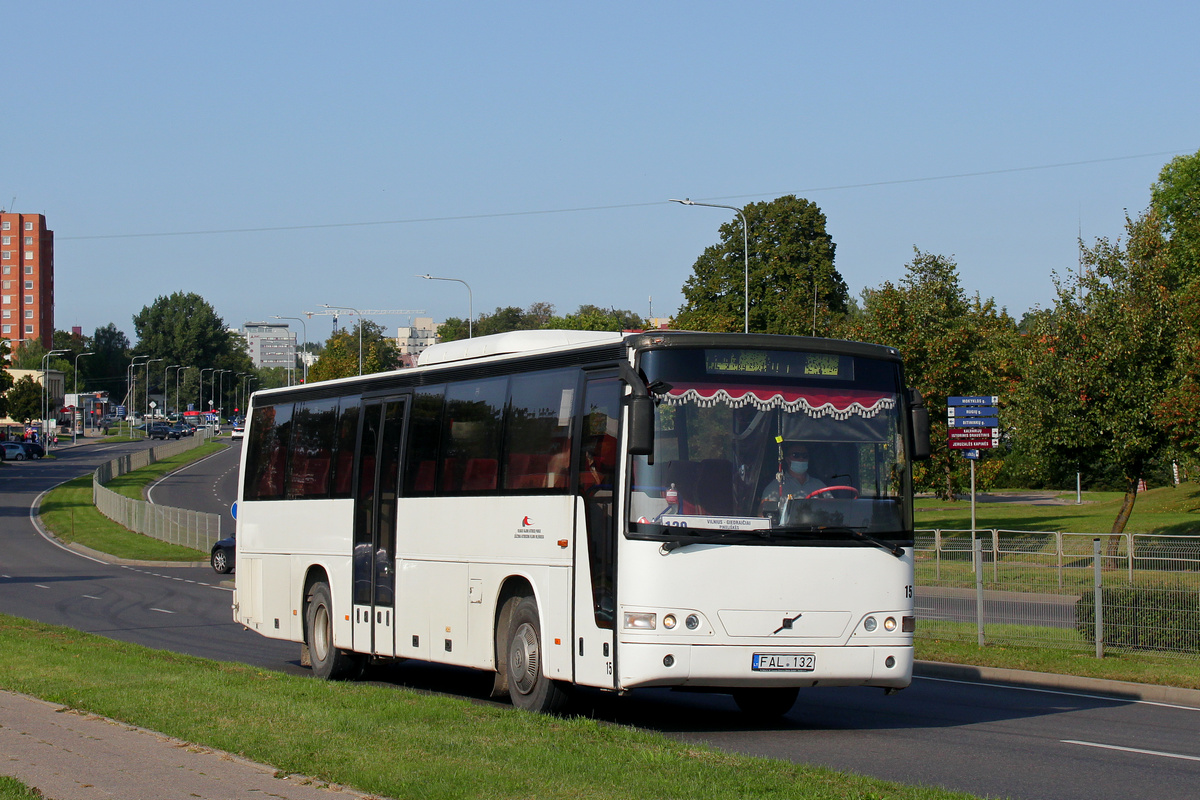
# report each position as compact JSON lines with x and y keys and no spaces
{"x":320,"y":643}
{"x":524,"y":659}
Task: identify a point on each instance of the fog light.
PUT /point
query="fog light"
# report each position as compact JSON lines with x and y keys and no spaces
{"x":889,"y":662}
{"x":870,"y":624}
{"x":641,"y":620}
{"x":669,"y":621}
{"x":889,"y":624}
{"x":668,"y":660}
{"x":692,"y":622}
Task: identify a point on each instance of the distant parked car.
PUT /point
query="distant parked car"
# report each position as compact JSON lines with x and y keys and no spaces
{"x":12,"y":451}
{"x":223,"y":555}
{"x":33,"y":449}
{"x":183,"y":430}
{"x":239,"y":430}
{"x":157,"y":430}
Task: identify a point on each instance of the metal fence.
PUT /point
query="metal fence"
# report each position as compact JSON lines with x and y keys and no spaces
{"x":1081,"y":591}
{"x":193,"y":529}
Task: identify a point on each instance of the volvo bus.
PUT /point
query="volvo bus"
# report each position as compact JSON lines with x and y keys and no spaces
{"x":568,"y":508}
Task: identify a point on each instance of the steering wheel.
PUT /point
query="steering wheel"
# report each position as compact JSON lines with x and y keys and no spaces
{"x":825,"y":489}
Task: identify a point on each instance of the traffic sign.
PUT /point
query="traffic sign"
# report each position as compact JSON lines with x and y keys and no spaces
{"x":972,"y":411}
{"x":971,"y":454}
{"x":973,"y":400}
{"x":973,"y":433}
{"x":975,"y":422}
{"x":972,"y":444}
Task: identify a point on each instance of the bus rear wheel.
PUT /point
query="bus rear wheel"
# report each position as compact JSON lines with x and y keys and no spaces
{"x":766,"y":703}
{"x":328,"y":662}
{"x":528,"y":687}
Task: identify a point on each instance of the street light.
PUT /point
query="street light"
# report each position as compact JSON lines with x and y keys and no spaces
{"x":165,"y":405}
{"x":303,"y":360}
{"x":201,"y":401}
{"x":131,"y":411}
{"x":46,"y":397}
{"x":180,"y":369}
{"x":745,"y":250}
{"x":146,"y":416}
{"x":221,"y":393}
{"x":74,"y":427}
{"x":360,"y":327}
{"x":470,"y":299}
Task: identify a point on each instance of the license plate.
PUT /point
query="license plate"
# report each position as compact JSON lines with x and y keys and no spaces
{"x":789,"y":662}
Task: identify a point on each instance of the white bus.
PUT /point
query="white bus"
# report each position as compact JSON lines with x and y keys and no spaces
{"x":594,"y":509}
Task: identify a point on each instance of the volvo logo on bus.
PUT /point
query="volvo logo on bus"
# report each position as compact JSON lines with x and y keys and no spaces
{"x":787,"y":624}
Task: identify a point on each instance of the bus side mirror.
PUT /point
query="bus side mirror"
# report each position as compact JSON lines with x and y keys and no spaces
{"x":641,"y":425}
{"x":920,"y":425}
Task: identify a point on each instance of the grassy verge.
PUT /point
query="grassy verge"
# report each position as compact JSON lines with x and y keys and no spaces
{"x":13,"y":789}
{"x":391,"y":741}
{"x":1168,"y":510}
{"x":1135,"y":667}
{"x":69,"y":513}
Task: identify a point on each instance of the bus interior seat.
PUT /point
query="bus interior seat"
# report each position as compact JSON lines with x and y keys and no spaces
{"x":480,"y":475}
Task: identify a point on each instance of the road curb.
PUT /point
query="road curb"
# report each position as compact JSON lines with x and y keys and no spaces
{"x":1117,"y":690}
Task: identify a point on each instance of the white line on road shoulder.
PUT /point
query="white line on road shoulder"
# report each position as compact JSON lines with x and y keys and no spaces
{"x":1131,"y":750}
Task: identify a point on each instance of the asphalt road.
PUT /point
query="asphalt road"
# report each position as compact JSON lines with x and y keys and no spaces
{"x":990,"y":740}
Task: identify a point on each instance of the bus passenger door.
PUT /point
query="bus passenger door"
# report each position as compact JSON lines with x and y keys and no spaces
{"x":375,"y":508}
{"x":597,"y":487}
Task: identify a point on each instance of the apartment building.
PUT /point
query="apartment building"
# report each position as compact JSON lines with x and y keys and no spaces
{"x":26,"y":279}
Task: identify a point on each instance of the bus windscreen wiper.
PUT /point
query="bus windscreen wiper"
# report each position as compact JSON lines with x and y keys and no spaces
{"x":720,"y":538}
{"x":894,"y":549}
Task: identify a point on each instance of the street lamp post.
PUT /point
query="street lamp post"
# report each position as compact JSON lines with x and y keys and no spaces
{"x":172,"y":366}
{"x":46,"y":397}
{"x":303,"y":360}
{"x":360,"y":327}
{"x":179,"y":370}
{"x":132,"y":410}
{"x":470,"y":299}
{"x":146,"y":415}
{"x":74,"y":427}
{"x":201,"y":401}
{"x":745,"y":252}
{"x":221,"y":392}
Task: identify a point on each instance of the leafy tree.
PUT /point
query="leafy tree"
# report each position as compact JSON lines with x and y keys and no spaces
{"x":1175,"y":199}
{"x":339,"y":359}
{"x":594,"y":318}
{"x":106,"y":369}
{"x":25,"y":400}
{"x":790,"y":272}
{"x":951,"y":345}
{"x":1097,"y":369}
{"x":6,"y":379}
{"x":184,"y":329}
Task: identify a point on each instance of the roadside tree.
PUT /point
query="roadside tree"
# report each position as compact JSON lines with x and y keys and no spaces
{"x":791,"y":273}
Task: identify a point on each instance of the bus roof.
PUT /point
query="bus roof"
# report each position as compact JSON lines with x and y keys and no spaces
{"x":512,"y":342}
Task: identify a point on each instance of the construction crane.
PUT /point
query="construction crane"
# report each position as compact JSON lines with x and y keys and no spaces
{"x":362,"y":312}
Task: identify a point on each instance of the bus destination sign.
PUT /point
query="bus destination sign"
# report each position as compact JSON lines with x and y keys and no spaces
{"x":779,"y":363}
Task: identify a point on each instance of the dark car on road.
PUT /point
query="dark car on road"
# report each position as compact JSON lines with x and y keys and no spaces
{"x":22,"y":451}
{"x":222,"y":556}
{"x":159,"y":430}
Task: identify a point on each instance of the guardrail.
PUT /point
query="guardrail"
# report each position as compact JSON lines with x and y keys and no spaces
{"x":1081,"y":591}
{"x":181,"y":526}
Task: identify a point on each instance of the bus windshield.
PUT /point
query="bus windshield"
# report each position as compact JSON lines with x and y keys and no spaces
{"x":772,"y":447}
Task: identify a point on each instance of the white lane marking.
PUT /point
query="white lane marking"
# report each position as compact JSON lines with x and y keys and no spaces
{"x":1138,"y":750}
{"x":41,"y":586}
{"x":91,"y":597}
{"x":1060,"y":692}
{"x":162,"y":610}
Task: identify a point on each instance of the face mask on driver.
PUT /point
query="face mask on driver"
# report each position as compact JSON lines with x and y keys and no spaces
{"x":799,"y":466}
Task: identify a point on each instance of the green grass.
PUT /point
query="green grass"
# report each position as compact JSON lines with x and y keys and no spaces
{"x":1080,"y":660}
{"x":13,"y":789}
{"x":70,"y":515}
{"x":391,"y":741}
{"x":1170,"y":510}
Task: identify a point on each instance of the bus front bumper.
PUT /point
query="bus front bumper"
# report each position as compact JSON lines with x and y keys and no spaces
{"x":644,"y":664}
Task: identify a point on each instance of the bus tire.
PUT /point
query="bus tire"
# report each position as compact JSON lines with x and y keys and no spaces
{"x":328,"y":662}
{"x":766,"y":703}
{"x":528,"y":687}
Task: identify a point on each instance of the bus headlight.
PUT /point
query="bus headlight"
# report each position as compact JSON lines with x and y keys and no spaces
{"x":870,"y":624}
{"x":669,"y":622}
{"x":641,"y":620}
{"x":692,"y":622}
{"x":889,"y":624}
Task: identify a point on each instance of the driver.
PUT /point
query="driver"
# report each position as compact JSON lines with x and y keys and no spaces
{"x":797,"y":482}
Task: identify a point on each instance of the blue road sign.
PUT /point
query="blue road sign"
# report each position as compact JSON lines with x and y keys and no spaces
{"x":973,"y":400}
{"x":971,"y":454}
{"x":975,"y":422}
{"x":972,"y":411}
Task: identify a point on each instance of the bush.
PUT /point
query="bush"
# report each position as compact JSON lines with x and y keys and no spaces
{"x":1143,"y":619}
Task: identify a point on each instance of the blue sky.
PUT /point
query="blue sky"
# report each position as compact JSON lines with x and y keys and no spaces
{"x":273,"y":157}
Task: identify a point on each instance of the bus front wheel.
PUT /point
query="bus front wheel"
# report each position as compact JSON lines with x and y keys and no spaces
{"x":528,"y":687}
{"x":328,"y":662}
{"x":766,"y":703}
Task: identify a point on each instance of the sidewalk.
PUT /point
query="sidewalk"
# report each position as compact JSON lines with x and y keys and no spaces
{"x":67,"y":755}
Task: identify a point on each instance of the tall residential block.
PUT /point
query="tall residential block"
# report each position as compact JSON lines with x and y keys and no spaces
{"x":27,"y":275}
